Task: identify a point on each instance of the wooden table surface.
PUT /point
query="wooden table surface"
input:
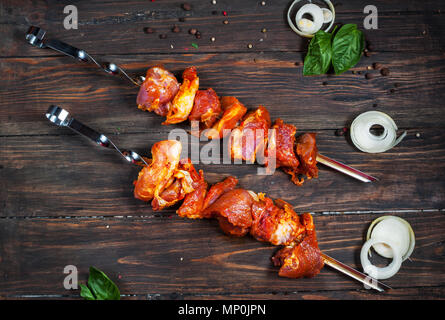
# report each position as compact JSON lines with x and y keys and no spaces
{"x":64,"y":201}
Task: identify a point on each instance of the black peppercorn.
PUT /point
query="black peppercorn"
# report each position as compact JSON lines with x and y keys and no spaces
{"x":385,"y":72}
{"x":186,"y":6}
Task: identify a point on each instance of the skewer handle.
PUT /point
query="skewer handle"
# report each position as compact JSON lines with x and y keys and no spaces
{"x":62,"y":118}
{"x":36,"y":37}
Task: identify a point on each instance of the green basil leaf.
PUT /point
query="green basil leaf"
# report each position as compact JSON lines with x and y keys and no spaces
{"x":318,"y":58}
{"x":347,"y":48}
{"x":86,"y":293}
{"x":101,"y":286}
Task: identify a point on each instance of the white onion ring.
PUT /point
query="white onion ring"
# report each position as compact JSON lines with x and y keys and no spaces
{"x":407,"y":247}
{"x":253,"y":195}
{"x":306,"y":25}
{"x":364,"y":140}
{"x":304,"y":34}
{"x":327,"y":15}
{"x":317,"y":17}
{"x":377,"y":272}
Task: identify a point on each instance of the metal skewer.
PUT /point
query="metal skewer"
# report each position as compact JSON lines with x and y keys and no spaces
{"x":341,"y":167}
{"x":357,"y":275}
{"x":35,"y":36}
{"x":62,"y":118}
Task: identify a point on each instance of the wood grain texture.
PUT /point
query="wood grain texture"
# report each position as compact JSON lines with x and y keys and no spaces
{"x":154,"y":255}
{"x":420,"y":293}
{"x":68,"y":175}
{"x":116,"y":28}
{"x":65,"y":201}
{"x":30,"y":85}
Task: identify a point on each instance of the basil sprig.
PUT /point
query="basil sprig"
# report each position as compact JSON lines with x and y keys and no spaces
{"x":347,"y":48}
{"x":318,"y":58}
{"x":343,"y":50}
{"x":99,"y":287}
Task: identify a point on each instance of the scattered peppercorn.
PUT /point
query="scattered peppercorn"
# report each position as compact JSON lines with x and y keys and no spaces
{"x":298,"y":63}
{"x":377,"y":66}
{"x":396,"y":85}
{"x":369,"y":46}
{"x":341,"y":132}
{"x":367,"y":53}
{"x":369,"y":76}
{"x":392,"y":91}
{"x":163,"y":36}
{"x":193,"y":31}
{"x":149,"y":30}
{"x":214,"y":12}
{"x":384,"y":72}
{"x":186,"y":6}
{"x":324,"y":83}
{"x":374,"y":105}
{"x":182,"y":19}
{"x":176,"y":29}
{"x":198,"y":35}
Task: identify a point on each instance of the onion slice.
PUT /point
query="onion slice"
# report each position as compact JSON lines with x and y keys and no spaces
{"x":366,"y":141}
{"x":393,"y":229}
{"x":253,"y":195}
{"x":296,"y":18}
{"x":310,"y":26}
{"x":327,"y":15}
{"x":377,"y":272}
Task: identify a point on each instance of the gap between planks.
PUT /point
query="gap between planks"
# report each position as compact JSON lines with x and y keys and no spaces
{"x":187,"y":53}
{"x":155,"y":296}
{"x":138,"y":217}
{"x":113,"y":133}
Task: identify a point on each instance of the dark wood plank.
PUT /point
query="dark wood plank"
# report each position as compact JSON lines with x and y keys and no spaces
{"x":417,"y":293}
{"x":421,"y":293}
{"x":30,"y":85}
{"x":175,"y":256}
{"x":64,"y":201}
{"x":117,"y":28}
{"x":68,"y":175}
